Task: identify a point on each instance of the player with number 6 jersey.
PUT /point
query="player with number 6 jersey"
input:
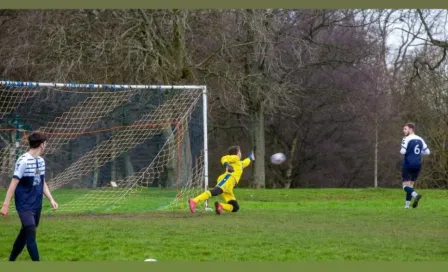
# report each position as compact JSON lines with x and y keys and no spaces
{"x":413,"y":147}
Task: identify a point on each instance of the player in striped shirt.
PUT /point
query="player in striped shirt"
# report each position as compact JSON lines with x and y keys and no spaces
{"x":28,"y":187}
{"x":412,"y":147}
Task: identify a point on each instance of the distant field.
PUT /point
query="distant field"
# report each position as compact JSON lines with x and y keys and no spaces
{"x":272,"y":225}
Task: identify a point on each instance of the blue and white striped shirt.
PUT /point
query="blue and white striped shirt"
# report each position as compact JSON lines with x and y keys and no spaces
{"x":30,"y":172}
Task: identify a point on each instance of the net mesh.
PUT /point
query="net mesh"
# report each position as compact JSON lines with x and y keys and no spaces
{"x":11,"y":98}
{"x":115,"y":149}
{"x":194,"y":186}
{"x":74,"y":122}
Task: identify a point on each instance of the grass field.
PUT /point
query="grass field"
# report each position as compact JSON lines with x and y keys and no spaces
{"x":272,"y":225}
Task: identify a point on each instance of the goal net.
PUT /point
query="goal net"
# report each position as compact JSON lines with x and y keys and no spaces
{"x":110,"y":147}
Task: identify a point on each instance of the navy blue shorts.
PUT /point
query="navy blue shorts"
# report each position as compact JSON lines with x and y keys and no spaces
{"x":30,"y":218}
{"x":410,"y":174}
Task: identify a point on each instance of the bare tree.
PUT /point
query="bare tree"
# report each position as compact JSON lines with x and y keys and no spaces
{"x":434,"y":23}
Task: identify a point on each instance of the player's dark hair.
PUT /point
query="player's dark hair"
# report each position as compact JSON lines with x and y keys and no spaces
{"x":233,"y":150}
{"x":410,"y":125}
{"x":36,"y":139}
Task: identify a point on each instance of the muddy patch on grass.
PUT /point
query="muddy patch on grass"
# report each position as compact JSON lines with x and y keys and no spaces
{"x":143,"y":215}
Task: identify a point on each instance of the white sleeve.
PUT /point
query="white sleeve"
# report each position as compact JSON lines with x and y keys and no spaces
{"x":404,"y":146}
{"x":425,"y":149}
{"x":19,"y":168}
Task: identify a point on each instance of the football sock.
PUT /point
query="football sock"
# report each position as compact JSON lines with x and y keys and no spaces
{"x":409,"y":191}
{"x":227,"y":207}
{"x":414,"y":194}
{"x":408,"y":197}
{"x":203,"y":197}
{"x":408,"y":203}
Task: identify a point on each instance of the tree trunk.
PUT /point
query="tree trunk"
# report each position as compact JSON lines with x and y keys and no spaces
{"x":290,"y":167}
{"x":376,"y":156}
{"x":13,"y":151}
{"x":113,"y":173}
{"x":96,"y":171}
{"x":170,"y":166}
{"x":129,"y":168}
{"x":186,"y":161}
{"x":258,"y":142}
{"x":113,"y":168}
{"x":180,"y":170}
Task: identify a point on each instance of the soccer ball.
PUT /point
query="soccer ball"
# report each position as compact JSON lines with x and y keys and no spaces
{"x":278,"y":158}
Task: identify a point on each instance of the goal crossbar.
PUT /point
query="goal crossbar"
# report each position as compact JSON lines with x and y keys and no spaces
{"x":99,"y":86}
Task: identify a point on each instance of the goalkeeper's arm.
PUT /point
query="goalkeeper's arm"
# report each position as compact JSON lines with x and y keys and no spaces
{"x":248,"y":160}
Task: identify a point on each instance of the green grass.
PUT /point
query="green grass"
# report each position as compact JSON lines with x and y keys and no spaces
{"x":272,"y":225}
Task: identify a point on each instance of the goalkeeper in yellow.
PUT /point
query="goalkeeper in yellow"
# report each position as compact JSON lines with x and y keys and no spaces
{"x":226,"y":182}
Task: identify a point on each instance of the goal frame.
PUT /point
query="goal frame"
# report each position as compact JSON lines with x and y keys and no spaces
{"x":35,"y":84}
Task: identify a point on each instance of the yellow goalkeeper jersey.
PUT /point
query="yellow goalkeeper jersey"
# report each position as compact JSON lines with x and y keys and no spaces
{"x":237,"y":164}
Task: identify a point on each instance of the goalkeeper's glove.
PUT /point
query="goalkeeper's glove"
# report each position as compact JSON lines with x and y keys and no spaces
{"x":228,"y":167}
{"x":251,"y":156}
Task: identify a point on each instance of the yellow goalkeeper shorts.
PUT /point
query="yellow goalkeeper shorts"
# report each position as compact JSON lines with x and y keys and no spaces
{"x":227,"y":182}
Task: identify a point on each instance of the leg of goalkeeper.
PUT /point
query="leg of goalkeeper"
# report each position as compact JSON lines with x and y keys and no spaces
{"x":203,"y":197}
{"x":222,"y":180}
{"x":230,"y":205}
{"x":208,"y":194}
